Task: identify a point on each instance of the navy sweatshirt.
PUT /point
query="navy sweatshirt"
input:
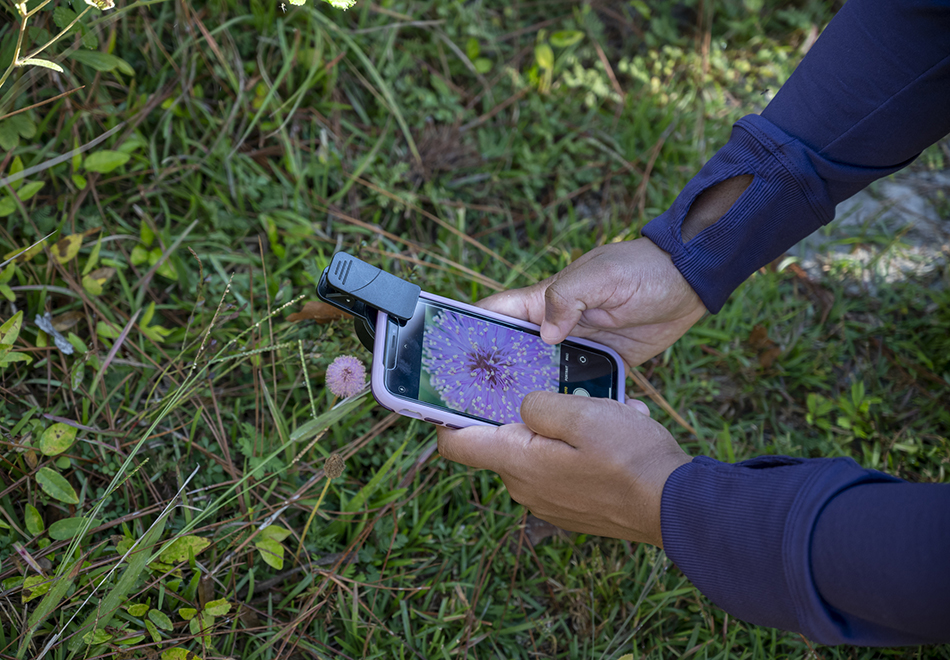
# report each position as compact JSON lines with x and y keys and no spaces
{"x":821,"y":546}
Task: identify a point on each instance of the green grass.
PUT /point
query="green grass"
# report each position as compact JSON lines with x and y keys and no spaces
{"x":250,"y":144}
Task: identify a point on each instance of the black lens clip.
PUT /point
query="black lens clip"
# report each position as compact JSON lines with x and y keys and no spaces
{"x":362,"y":290}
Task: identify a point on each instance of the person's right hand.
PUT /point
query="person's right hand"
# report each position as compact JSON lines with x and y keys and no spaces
{"x":628,"y":296}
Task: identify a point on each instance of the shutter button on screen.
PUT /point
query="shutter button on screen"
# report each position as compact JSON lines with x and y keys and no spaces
{"x":580,"y":391}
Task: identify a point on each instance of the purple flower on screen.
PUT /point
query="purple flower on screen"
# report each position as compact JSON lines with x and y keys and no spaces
{"x":346,"y":376}
{"x":485,"y":369}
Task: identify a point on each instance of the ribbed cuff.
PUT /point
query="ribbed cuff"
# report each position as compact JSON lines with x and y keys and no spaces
{"x":742,"y":534}
{"x":785,"y":202}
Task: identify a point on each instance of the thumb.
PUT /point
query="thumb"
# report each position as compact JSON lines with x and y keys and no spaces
{"x":571,"y":418}
{"x":482,"y":447}
{"x":573,"y":291}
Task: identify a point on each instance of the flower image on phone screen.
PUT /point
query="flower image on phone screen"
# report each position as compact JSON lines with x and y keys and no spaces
{"x":483,"y":369}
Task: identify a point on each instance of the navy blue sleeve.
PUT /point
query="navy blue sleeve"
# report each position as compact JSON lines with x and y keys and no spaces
{"x":817,"y":546}
{"x":872,"y":93}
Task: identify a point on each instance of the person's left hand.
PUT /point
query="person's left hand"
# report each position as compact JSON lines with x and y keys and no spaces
{"x":604,"y":475}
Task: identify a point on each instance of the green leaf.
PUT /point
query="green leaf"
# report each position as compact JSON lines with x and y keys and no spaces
{"x":67,"y":248}
{"x":139,"y":255}
{"x":57,"y":439}
{"x":187,"y":613}
{"x":9,"y":137}
{"x":218,"y":607}
{"x":79,"y":180}
{"x":92,"y":287}
{"x":271,"y":551}
{"x":472,"y":48}
{"x":90,"y":41}
{"x":153,"y":631}
{"x":29,"y":190}
{"x":160,"y":619}
{"x":178,"y":550}
{"x":565,"y":38}
{"x":93,"y":258}
{"x":105,"y":161}
{"x":63,"y":462}
{"x":96,"y":637}
{"x":7,"y":292}
{"x":10,"y":330}
{"x":483,"y":65}
{"x":275,"y":532}
{"x":35,"y":586}
{"x":34,"y":522}
{"x":147,"y":316}
{"x":544,"y":55}
{"x":63,"y":16}
{"x":146,"y":234}
{"x":106,"y":330}
{"x":56,"y":486}
{"x":67,"y":528}
{"x":7,"y":273}
{"x":102,"y":61}
{"x":25,"y":127}
{"x":139,"y":609}
{"x":179,"y":654}
{"x":10,"y":358}
{"x":96,"y":280}
{"x":7,"y":205}
{"x":46,"y":64}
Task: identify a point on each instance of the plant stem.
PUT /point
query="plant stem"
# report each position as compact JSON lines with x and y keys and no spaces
{"x":54,"y":39}
{"x":306,"y":528}
{"x":38,"y":7}
{"x":16,"y":52}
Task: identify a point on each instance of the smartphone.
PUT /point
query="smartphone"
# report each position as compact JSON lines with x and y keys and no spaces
{"x":458,"y":365}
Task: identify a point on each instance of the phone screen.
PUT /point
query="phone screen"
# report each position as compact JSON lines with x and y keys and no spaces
{"x":482,"y":368}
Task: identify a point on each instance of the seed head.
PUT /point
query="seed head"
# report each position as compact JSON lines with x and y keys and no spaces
{"x":333,"y":466}
{"x":346,"y":376}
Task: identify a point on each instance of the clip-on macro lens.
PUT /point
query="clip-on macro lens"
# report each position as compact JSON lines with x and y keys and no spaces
{"x":360,"y":289}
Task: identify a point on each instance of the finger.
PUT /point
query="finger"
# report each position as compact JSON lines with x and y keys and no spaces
{"x":571,"y":418}
{"x":483,"y":447}
{"x":585,"y":284}
{"x":639,"y":406}
{"x":526,"y":304}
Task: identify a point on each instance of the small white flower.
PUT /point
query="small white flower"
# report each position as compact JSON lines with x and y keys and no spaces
{"x":298,"y":3}
{"x":101,"y":4}
{"x":342,"y":4}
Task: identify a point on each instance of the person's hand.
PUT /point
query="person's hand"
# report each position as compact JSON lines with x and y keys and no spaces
{"x":628,"y":296}
{"x":596,"y":466}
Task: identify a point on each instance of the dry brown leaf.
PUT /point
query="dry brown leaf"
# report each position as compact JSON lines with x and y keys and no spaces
{"x":768,"y":356}
{"x":319,"y":311}
{"x":205,"y":590}
{"x":67,"y":320}
{"x":759,"y":338}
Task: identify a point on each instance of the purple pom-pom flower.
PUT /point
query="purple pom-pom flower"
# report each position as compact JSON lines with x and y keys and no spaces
{"x":485,"y":369}
{"x":346,"y":376}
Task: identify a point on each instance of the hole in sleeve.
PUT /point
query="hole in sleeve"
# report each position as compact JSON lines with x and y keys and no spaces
{"x":712,"y":204}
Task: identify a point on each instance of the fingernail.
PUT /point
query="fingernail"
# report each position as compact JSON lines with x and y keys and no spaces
{"x":640,"y":406}
{"x":549,"y":333}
